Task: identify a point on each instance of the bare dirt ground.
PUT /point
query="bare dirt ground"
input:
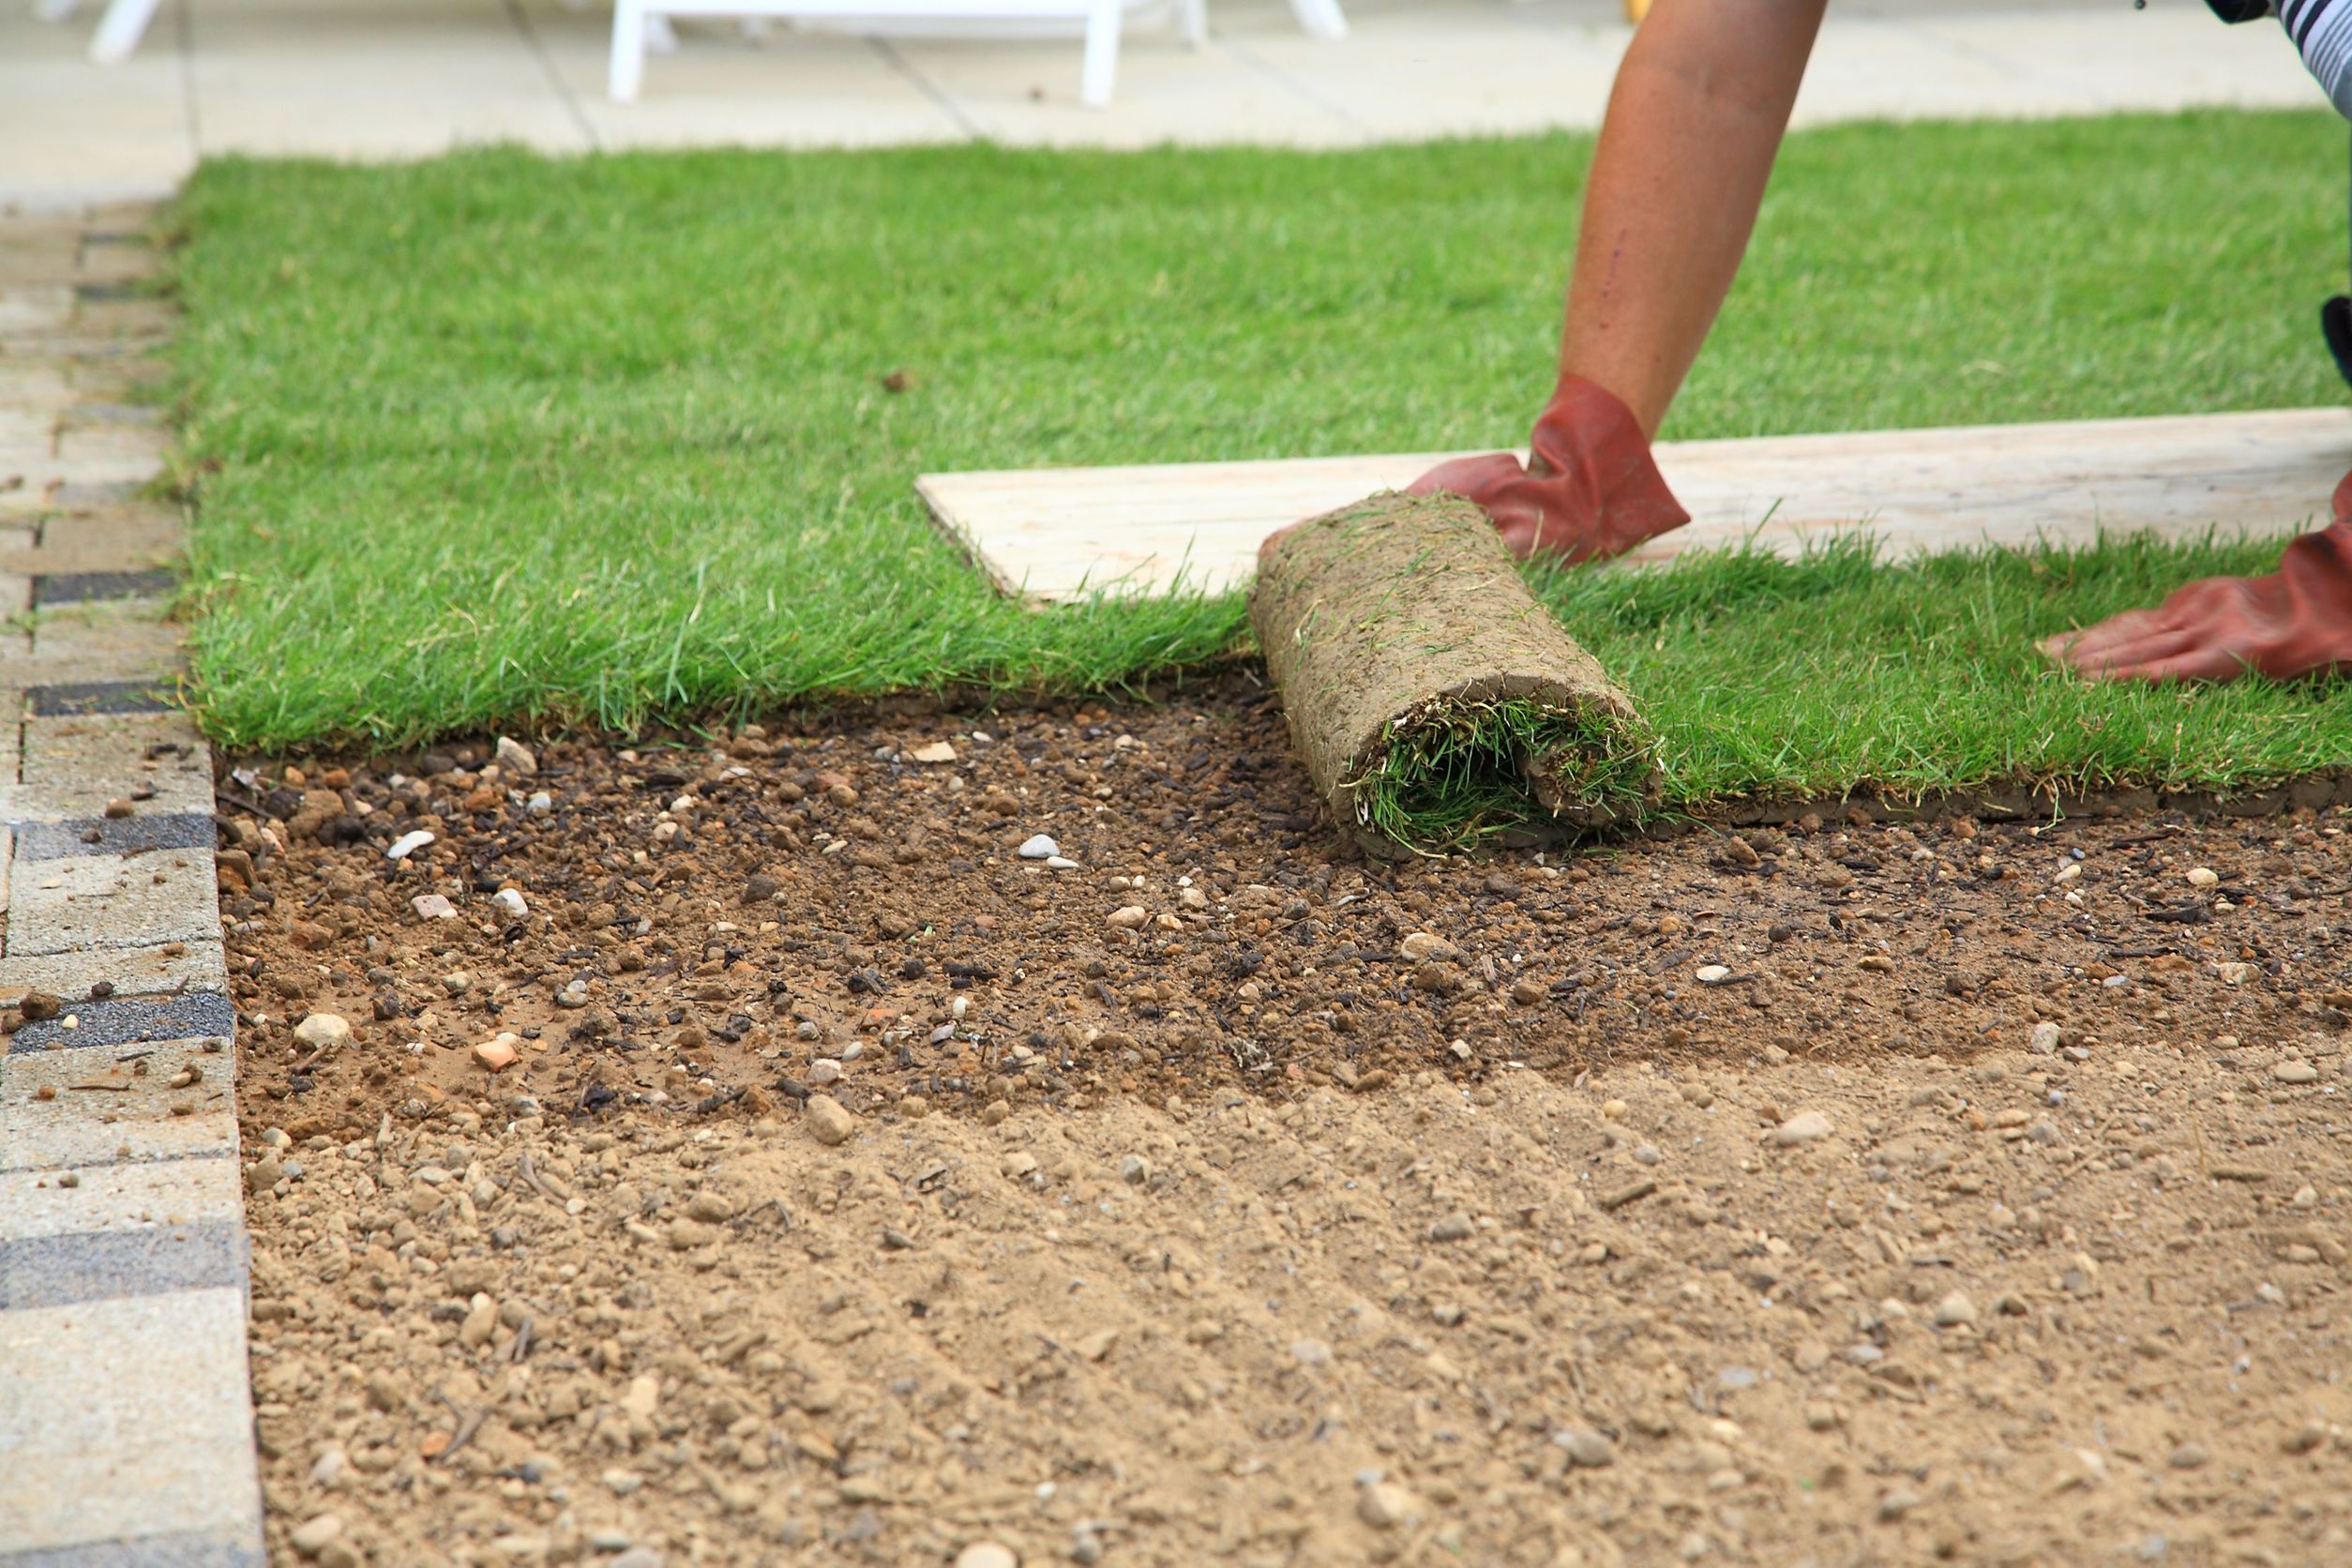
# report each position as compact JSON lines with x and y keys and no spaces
{"x":860,"y":1191}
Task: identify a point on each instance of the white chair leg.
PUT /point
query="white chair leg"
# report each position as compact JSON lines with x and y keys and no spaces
{"x":660,"y":38}
{"x":1101,"y":69}
{"x":1321,"y":18}
{"x":1192,"y":22}
{"x":119,"y":30}
{"x":629,"y":51}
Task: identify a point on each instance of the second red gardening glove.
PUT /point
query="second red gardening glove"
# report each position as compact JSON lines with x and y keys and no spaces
{"x":2294,"y":621}
{"x":1588,"y":492}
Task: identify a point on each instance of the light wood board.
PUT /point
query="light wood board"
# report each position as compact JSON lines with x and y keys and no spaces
{"x":1054,"y":534}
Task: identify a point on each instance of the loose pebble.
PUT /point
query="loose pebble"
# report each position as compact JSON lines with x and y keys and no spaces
{"x":827,"y":1119}
{"x":1384,"y":1505}
{"x":1038,"y":847}
{"x":408,"y":844}
{"x":323,"y":1031}
{"x":1803,"y":1127}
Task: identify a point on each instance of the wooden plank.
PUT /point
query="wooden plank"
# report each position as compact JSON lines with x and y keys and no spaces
{"x":1054,"y":534}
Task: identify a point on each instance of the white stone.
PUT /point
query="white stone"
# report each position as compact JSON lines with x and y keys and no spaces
{"x":988,"y":1554}
{"x":517,"y":758}
{"x":511,"y":900}
{"x":433,"y":906}
{"x":1803,"y":1127}
{"x":1385,"y":1505}
{"x":938,"y":751}
{"x":2204,"y":876}
{"x":408,"y":844}
{"x":323,"y":1031}
{"x":1713,"y":974}
{"x":311,"y":1536}
{"x":1038,"y":847}
{"x":1420,"y":946}
{"x":2045,"y":1038}
{"x":1955,"y":1311}
{"x":1061,"y":862}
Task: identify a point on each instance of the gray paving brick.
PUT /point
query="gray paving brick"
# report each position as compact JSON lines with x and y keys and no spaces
{"x":64,"y":1270}
{"x":128,"y":1020}
{"x":148,"y":970}
{"x":55,"y":588}
{"x":28,"y":308}
{"x":73,"y":766}
{"x":115,"y":1106}
{"x":108,"y":454}
{"x":123,"y":641}
{"x":143,"y":1424}
{"x":122,"y":1195}
{"x":162,"y":830}
{"x":110,"y":901}
{"x":75,"y":698}
{"x":141,"y":534}
{"x":174,"y":1549}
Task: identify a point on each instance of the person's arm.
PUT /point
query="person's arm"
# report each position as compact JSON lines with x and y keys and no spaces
{"x":1694,"y":122}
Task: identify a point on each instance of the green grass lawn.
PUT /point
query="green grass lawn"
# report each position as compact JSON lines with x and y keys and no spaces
{"x":495,"y":438}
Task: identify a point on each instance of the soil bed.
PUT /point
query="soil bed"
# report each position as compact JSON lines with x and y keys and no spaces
{"x":1848,"y":1192}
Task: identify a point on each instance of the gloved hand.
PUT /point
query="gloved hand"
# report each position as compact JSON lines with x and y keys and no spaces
{"x":2295,"y":621}
{"x":1589,"y":491}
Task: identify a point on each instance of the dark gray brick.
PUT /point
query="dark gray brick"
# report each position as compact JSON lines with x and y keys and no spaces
{"x":131,"y":1020}
{"x":173,"y":830}
{"x":179,"y":1549}
{"x":89,"y":587}
{"x":105,"y":1265}
{"x":75,"y":698}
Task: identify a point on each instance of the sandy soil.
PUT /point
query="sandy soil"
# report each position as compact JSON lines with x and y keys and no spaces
{"x":863,"y":1192}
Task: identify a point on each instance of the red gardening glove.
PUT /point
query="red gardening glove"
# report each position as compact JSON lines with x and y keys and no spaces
{"x":1590,"y":491}
{"x":2295,"y":621}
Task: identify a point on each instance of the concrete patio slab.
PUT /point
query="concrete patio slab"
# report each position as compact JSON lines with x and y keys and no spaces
{"x":372,"y":79}
{"x":794,"y":88}
{"x":368,"y":81}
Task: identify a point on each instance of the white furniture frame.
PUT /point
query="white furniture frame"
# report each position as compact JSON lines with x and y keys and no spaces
{"x":1100,"y":18}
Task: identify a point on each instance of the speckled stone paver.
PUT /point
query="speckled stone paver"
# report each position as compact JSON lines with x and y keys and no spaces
{"x":126,"y":1411}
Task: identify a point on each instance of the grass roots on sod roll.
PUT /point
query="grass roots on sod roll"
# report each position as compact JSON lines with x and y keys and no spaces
{"x":1435,"y":701}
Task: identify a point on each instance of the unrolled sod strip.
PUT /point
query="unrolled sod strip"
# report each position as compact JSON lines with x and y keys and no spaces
{"x":1435,"y":701}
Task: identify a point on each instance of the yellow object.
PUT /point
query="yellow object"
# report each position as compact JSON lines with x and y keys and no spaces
{"x":1635,"y":11}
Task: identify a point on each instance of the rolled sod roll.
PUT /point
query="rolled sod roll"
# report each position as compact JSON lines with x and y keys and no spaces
{"x":1434,"y":702}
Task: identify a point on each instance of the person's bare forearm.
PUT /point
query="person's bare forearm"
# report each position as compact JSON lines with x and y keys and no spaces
{"x":1693,"y":123}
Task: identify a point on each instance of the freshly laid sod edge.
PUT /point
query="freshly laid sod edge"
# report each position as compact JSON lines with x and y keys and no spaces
{"x":495,"y":439}
{"x":1434,"y":702}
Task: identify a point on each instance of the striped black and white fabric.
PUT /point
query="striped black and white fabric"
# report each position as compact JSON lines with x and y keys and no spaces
{"x":2322,"y":34}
